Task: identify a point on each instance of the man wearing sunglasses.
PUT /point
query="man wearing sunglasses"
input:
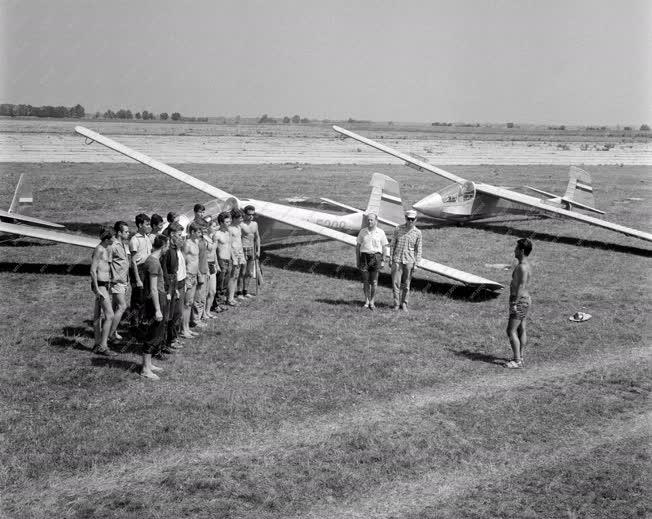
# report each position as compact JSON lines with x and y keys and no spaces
{"x":406,"y":253}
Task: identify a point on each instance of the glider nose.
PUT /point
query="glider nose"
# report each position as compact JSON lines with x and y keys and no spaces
{"x":430,"y":205}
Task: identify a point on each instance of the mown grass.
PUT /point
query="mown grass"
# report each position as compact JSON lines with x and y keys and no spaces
{"x":302,"y":404}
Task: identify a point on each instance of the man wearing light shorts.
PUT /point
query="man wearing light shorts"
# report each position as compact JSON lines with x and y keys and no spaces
{"x":250,"y":248}
{"x":519,"y":303}
{"x":101,"y":285}
{"x":119,"y":261}
{"x":191,"y":256}
{"x":238,"y":261}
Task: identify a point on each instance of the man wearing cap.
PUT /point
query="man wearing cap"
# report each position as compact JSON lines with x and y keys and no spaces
{"x":406,"y":254}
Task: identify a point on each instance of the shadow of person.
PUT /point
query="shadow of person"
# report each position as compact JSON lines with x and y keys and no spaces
{"x":480,"y":357}
{"x":112,"y":362}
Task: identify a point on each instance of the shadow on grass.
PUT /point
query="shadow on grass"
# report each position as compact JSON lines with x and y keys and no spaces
{"x":480,"y":357}
{"x":356,"y":303}
{"x":69,"y":269}
{"x":553,"y":238}
{"x":78,"y":331}
{"x":335,"y":270}
{"x":21,"y":241}
{"x":69,"y":341}
{"x":127,"y":365}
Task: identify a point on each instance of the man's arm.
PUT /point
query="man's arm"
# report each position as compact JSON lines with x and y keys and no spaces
{"x":417,"y":249}
{"x":95,"y":262}
{"x":257,"y":242}
{"x":153,"y":293}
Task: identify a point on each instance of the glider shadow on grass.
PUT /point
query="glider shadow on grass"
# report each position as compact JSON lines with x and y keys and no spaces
{"x":554,"y":238}
{"x":335,"y":270}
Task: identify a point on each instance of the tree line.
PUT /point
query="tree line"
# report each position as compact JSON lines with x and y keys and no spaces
{"x":145,"y":115}
{"x":21,"y":110}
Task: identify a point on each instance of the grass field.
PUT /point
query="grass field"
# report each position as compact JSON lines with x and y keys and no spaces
{"x":304,"y":405}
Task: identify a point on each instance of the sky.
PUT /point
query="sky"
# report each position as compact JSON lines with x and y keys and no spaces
{"x":522,"y":61}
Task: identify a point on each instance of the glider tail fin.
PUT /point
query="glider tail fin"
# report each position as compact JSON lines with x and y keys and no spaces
{"x":23,"y":198}
{"x":579,"y":188}
{"x":385,"y":199}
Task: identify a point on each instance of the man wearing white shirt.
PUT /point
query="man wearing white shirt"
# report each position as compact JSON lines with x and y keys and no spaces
{"x":371,"y":251}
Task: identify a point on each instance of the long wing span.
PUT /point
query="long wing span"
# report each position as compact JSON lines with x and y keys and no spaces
{"x":152,"y":163}
{"x":530,"y":201}
{"x":5,"y":215}
{"x":276,"y":212}
{"x":46,"y":234}
{"x":409,"y":160}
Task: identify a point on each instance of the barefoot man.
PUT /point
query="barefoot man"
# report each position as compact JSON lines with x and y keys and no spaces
{"x":191,"y":256}
{"x":100,"y":284}
{"x":250,"y":247}
{"x":519,"y":302}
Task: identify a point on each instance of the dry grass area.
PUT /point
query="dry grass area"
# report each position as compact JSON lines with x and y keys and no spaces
{"x":301,"y":404}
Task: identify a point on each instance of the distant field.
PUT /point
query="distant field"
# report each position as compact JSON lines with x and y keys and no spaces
{"x":301,"y":404}
{"x":55,"y":141}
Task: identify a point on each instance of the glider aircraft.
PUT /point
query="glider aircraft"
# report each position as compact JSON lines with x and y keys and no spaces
{"x":384,"y":200}
{"x":466,"y":200}
{"x":20,"y":209}
{"x":276,"y":220}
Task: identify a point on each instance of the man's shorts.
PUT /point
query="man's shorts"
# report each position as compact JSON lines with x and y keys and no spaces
{"x":248,"y":253}
{"x":370,"y":262}
{"x":191,"y":280}
{"x":238,"y":257}
{"x":519,"y":309}
{"x":119,"y":288}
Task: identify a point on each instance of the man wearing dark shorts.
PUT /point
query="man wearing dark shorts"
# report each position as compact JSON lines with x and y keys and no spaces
{"x":371,"y":251}
{"x":156,"y":307}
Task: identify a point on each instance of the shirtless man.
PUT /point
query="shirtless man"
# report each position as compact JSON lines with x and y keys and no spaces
{"x":238,"y":261}
{"x":222,"y":237}
{"x":191,"y":255}
{"x":101,"y":285}
{"x":250,"y":247}
{"x":519,"y":302}
{"x":120,"y":260}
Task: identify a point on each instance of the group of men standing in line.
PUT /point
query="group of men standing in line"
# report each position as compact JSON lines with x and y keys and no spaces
{"x":176,"y":282}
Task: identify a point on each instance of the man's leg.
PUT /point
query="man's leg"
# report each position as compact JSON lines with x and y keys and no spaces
{"x":241,"y":275}
{"x":247,"y":276}
{"x":97,"y":322}
{"x":106,"y":308}
{"x":365,"y":286}
{"x":119,"y":307}
{"x":232,"y":283}
{"x":211,"y":288}
{"x":397,"y":271}
{"x":187,"y":308}
{"x":406,"y":278}
{"x":200,"y":300}
{"x":514,"y":341}
{"x":522,"y":336}
{"x":373,"y":285}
